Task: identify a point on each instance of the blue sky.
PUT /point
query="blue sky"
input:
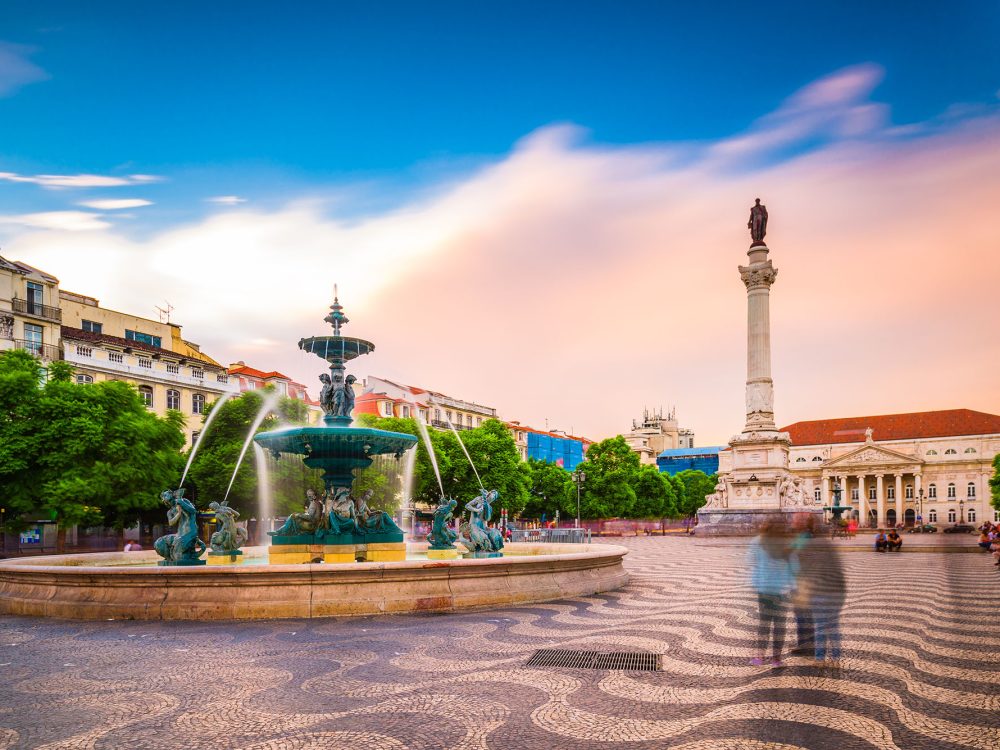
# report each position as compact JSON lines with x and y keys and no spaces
{"x":265,"y":98}
{"x":501,"y":167}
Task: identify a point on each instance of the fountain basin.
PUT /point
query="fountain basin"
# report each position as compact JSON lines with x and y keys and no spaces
{"x":335,"y":443}
{"x":89,"y":587}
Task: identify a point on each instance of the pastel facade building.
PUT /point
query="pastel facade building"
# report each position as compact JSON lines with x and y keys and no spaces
{"x":387,"y":398}
{"x":30,"y":317}
{"x":250,"y":379}
{"x":168,"y":371}
{"x":655,"y":433}
{"x":556,"y":447}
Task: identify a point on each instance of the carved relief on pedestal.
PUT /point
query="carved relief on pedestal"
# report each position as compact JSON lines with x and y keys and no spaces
{"x":760,"y":398}
{"x":759,"y":274}
{"x":719,"y":498}
{"x":791,"y":492}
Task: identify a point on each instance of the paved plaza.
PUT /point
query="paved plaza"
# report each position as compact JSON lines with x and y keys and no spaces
{"x":922,"y":670}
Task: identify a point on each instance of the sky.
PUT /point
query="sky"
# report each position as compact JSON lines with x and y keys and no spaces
{"x":539,"y":207}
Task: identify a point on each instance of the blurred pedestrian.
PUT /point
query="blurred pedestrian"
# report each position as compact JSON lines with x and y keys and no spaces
{"x":772,"y":575}
{"x":821,"y":576}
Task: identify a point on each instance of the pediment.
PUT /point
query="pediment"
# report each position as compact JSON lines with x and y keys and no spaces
{"x":873,"y":455}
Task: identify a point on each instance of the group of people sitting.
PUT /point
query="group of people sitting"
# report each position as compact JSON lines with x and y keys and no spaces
{"x":891,"y":542}
{"x":989,"y":540}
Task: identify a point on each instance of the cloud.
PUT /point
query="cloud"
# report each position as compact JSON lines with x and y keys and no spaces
{"x":227,"y":200}
{"x":55,"y":181}
{"x":60,"y":221}
{"x":578,"y":282}
{"x":16,"y":70}
{"x":112,"y":204}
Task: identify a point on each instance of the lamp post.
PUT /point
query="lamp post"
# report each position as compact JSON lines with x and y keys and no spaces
{"x":961,"y":510}
{"x":920,"y":506}
{"x":579,"y":477}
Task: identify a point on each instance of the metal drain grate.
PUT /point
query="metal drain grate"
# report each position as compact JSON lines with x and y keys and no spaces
{"x":622,"y":660}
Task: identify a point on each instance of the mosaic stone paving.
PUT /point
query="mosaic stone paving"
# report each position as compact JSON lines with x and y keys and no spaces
{"x":922,"y":670}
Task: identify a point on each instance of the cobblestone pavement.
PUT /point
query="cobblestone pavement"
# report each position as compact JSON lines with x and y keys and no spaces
{"x":922,"y":637}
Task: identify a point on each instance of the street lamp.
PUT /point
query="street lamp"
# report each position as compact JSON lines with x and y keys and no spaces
{"x":579,"y":477}
{"x":961,"y":510}
{"x":920,"y":506}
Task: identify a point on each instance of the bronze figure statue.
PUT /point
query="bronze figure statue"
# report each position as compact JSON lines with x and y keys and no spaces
{"x":758,"y":222}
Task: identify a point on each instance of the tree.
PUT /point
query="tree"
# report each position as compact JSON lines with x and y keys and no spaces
{"x":550,"y":488}
{"x":85,"y":454}
{"x":655,"y":495}
{"x":611,"y":468}
{"x":220,"y":448}
{"x":494,"y":453}
{"x":697,"y":486}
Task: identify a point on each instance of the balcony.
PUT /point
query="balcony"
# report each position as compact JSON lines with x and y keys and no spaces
{"x":27,"y":307}
{"x":45,"y":352}
{"x":443,"y":425}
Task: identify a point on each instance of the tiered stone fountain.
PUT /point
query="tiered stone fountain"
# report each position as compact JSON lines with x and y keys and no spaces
{"x":338,"y":527}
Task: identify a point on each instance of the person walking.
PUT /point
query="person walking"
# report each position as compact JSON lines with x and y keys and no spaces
{"x":773,"y":569}
{"x":821,"y":576}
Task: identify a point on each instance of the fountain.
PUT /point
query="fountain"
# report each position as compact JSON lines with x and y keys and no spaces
{"x":341,"y":528}
{"x":366,"y":567}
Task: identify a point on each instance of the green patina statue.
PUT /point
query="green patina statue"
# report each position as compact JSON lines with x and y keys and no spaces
{"x":303,"y":523}
{"x":441,"y":536}
{"x":184,"y":547}
{"x":475,"y":534}
{"x":230,"y":537}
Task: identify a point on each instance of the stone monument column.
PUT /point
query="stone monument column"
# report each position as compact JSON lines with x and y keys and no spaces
{"x":758,"y":277}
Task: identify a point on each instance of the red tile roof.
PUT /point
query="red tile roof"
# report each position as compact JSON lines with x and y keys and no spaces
{"x":921,"y":424}
{"x":255,"y":373}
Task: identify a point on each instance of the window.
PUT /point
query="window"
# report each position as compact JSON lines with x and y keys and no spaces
{"x":932,"y":515}
{"x":33,"y":339}
{"x":143,"y":338}
{"x":468,"y":420}
{"x":387,"y":408}
{"x":84,"y":351}
{"x":423,"y":415}
{"x":404,"y":411}
{"x":34,"y":298}
{"x":854,"y":494}
{"x":971,"y":515}
{"x":437,"y":415}
{"x":84,"y":379}
{"x":146,"y":362}
{"x":173,"y":368}
{"x":479,"y":421}
{"x":173,"y":399}
{"x":996,"y":516}
{"x":951,"y":489}
{"x":817,"y":458}
{"x":970,"y":490}
{"x":194,"y":438}
{"x":222,"y":377}
{"x":197,"y":372}
{"x":890,"y":493}
{"x":198,"y":403}
{"x":116,"y":357}
{"x":951,"y":515}
{"x":873,"y":493}
{"x":909,"y":492}
{"x":932,"y":453}
{"x":89,"y":325}
{"x":950,"y":452}
{"x":931,"y":491}
{"x":970,"y":450}
{"x":800,"y":460}
{"x":146,"y":394}
{"x":447,"y":415}
{"x":818,"y":495}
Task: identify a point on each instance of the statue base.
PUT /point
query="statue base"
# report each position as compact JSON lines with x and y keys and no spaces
{"x":480,"y":555}
{"x":324,"y":538}
{"x":180,"y":563}
{"x":296,"y":554}
{"x":747,"y":521}
{"x":225,"y":558}
{"x":442,"y":554}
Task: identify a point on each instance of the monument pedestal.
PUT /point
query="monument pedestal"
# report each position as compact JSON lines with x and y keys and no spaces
{"x":336,"y":548}
{"x":225,"y":558}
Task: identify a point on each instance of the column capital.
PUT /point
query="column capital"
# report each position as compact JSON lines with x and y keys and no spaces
{"x":758,"y":275}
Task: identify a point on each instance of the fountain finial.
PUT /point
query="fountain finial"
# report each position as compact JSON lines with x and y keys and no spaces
{"x":336,"y":318}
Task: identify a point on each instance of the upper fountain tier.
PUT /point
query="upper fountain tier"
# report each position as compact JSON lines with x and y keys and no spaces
{"x":336,"y":349}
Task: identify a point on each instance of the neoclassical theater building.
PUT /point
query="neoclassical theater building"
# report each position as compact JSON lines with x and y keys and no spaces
{"x":932,"y":465}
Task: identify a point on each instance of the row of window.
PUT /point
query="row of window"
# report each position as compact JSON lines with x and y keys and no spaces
{"x":970,"y":515}
{"x":454,"y":418}
{"x":890,"y":492}
{"x":146,"y":394}
{"x":147,"y":363}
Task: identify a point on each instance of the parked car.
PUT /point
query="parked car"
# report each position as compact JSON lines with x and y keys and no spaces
{"x":924,"y":528}
{"x":960,"y":528}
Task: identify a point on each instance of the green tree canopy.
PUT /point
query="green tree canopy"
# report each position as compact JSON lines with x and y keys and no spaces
{"x":611,"y":468}
{"x":81,"y":453}
{"x":551,"y":489}
{"x":655,"y":495}
{"x":697,"y":486}
{"x":995,"y":483}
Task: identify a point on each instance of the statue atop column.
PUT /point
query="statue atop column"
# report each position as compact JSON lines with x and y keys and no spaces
{"x":758,"y":222}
